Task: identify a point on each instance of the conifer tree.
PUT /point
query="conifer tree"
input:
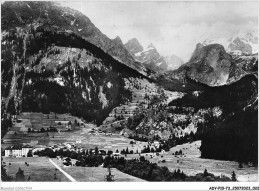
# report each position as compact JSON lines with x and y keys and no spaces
{"x":234,"y":176}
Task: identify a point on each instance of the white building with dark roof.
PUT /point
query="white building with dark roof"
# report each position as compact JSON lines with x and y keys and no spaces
{"x":17,"y":150}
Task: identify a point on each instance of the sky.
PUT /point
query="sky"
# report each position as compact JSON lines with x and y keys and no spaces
{"x":173,"y":27}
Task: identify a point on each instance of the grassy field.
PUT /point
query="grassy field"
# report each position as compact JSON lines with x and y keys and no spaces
{"x":19,"y":134}
{"x":113,"y":143}
{"x":95,"y":174}
{"x":39,"y":169}
{"x":191,"y":163}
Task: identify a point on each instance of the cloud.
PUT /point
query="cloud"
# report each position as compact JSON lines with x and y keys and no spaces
{"x":173,"y":27}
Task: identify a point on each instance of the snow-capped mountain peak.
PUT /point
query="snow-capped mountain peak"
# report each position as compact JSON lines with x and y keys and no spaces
{"x":238,"y":44}
{"x":151,"y":46}
{"x":151,"y":58}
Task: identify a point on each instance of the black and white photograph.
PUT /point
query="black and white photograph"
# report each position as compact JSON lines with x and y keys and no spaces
{"x":134,"y":92}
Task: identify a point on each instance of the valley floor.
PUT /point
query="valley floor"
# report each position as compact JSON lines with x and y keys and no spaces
{"x":191,"y":163}
{"x":41,"y":169}
{"x":95,"y":174}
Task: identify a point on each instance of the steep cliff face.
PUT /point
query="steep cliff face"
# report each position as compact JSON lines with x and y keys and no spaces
{"x":208,"y":64}
{"x":212,"y":65}
{"x":149,"y":56}
{"x":53,"y":17}
{"x":133,"y":46}
{"x":239,"y":45}
{"x":220,"y":64}
{"x":173,"y":62}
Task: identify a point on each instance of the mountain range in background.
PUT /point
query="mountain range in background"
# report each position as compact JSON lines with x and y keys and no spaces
{"x":221,"y":61}
{"x":151,"y":58}
{"x":212,"y":65}
{"x":244,"y":44}
{"x":54,"y":59}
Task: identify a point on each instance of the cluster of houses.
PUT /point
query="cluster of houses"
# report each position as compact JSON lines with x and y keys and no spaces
{"x":155,"y":144}
{"x":66,"y":146}
{"x":67,"y":124}
{"x":74,"y":147}
{"x":22,"y":151}
{"x":95,"y":131}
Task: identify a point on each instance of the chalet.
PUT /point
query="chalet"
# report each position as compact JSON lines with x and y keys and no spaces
{"x":69,"y":146}
{"x":17,"y":151}
{"x":65,"y":123}
{"x":91,"y":151}
{"x":91,"y":131}
{"x":116,"y":154}
{"x":79,"y":150}
{"x":156,"y":144}
{"x":162,"y":151}
{"x":102,"y":152}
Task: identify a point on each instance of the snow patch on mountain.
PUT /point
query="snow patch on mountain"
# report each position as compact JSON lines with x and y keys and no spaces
{"x":238,"y":44}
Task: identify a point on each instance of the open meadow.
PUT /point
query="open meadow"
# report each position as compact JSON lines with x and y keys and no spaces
{"x":191,"y":163}
{"x":95,"y":174}
{"x":40,"y":169}
{"x":78,"y":135}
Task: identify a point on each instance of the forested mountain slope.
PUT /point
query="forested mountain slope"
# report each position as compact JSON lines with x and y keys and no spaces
{"x":53,"y":17}
{"x":58,"y":71}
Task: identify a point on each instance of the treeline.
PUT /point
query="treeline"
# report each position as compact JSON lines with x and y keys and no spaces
{"x":233,"y":139}
{"x":146,"y":170}
{"x":6,"y":120}
{"x":138,"y":137}
{"x":234,"y":135}
{"x":68,"y":153}
{"x":139,"y":167}
{"x":231,"y":98}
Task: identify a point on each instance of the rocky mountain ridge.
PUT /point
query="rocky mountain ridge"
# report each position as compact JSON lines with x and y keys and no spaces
{"x":244,"y":44}
{"x":57,"y":68}
{"x":212,"y":65}
{"x":151,"y":58}
{"x":53,"y":17}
